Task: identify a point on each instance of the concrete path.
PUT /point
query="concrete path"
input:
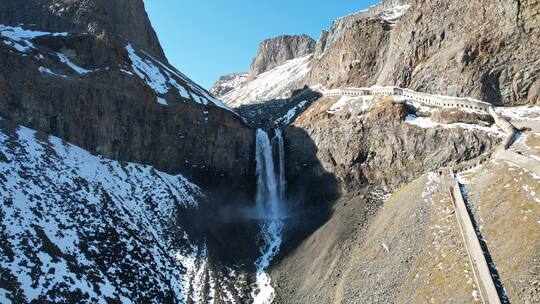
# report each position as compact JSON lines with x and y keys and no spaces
{"x":479,"y":264}
{"x":519,"y":160}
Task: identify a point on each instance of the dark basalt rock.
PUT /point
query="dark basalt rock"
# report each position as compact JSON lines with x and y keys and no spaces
{"x":102,"y":18}
{"x":112,"y":111}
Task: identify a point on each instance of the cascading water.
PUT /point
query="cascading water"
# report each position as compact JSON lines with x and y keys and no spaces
{"x":269,"y":203}
{"x":267,"y":200}
{"x":281,"y":181}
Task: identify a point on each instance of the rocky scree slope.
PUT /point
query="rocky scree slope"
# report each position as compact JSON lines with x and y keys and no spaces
{"x":484,"y":50}
{"x":115,"y":98}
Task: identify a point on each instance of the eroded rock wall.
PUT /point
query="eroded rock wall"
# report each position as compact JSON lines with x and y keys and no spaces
{"x":484,"y":50}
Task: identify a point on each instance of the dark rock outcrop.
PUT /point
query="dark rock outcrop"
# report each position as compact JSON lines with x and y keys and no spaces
{"x":273,"y":52}
{"x":102,"y":18}
{"x":377,"y":147}
{"x":115,"y":114}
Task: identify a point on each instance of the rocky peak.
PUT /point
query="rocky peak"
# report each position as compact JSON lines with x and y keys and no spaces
{"x":103,"y":18}
{"x":275,"y":51}
{"x":340,"y":25}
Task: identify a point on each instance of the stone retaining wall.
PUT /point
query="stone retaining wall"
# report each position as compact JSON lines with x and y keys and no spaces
{"x":428,"y":99}
{"x":482,"y":273}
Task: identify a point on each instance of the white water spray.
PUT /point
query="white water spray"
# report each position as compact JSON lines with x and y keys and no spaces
{"x":269,"y":203}
{"x":267,"y":200}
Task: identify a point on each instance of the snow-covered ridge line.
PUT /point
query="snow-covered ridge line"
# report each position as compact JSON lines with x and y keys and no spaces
{"x":273,"y":84}
{"x":98,"y":217}
{"x":159,"y":77}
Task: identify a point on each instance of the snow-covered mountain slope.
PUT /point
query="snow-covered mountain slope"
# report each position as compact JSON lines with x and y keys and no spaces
{"x":80,"y":228}
{"x":273,"y":84}
{"x":227,"y":83}
{"x":164,"y":80}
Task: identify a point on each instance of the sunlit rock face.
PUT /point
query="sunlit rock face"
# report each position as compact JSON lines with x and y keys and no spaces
{"x":439,"y":47}
{"x":275,"y":51}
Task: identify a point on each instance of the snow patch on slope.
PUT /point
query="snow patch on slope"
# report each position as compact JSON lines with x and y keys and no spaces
{"x":291,"y":114}
{"x":159,"y":77}
{"x":21,"y":39}
{"x":63,"y":58}
{"x":348,"y":103}
{"x":78,"y":226}
{"x":391,"y":15}
{"x":520,"y":113}
{"x":426,"y":122}
{"x":274,"y":84}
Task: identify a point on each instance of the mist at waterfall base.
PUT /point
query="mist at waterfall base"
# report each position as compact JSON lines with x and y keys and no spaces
{"x":270,"y":209}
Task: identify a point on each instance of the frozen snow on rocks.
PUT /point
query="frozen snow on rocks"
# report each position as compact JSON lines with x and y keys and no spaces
{"x":21,"y":39}
{"x":71,"y":222}
{"x":426,"y":122}
{"x":63,"y":58}
{"x":274,"y":84}
{"x":160,"y":78}
{"x":350,"y":104}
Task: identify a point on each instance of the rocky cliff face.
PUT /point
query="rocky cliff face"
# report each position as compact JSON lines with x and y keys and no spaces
{"x":117,"y":100}
{"x":376,"y":142}
{"x":274,"y":52}
{"x":102,"y":18}
{"x":478,"y":49}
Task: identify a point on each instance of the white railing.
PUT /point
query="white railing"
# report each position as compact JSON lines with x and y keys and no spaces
{"x":424,"y":98}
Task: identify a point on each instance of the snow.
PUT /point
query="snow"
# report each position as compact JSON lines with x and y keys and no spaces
{"x":126,"y":71}
{"x":54,"y":191}
{"x":148,"y":72}
{"x":271,"y":231}
{"x":162,"y":101}
{"x":392,"y":14}
{"x":426,"y":122}
{"x":48,"y":71}
{"x":274,"y":84}
{"x":350,"y":103}
{"x":231,"y":82}
{"x":291,"y":114}
{"x":475,"y":296}
{"x":520,"y":113}
{"x":63,"y":58}
{"x":159,"y":77}
{"x":20,"y":38}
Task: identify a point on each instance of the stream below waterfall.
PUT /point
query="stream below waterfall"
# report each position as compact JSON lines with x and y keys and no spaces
{"x":270,"y":206}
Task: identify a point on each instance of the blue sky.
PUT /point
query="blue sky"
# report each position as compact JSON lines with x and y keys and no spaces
{"x":208,"y":38}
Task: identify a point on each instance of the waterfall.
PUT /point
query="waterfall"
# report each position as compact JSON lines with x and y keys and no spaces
{"x":282,"y":186}
{"x":269,"y":204}
{"x":267,"y":200}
